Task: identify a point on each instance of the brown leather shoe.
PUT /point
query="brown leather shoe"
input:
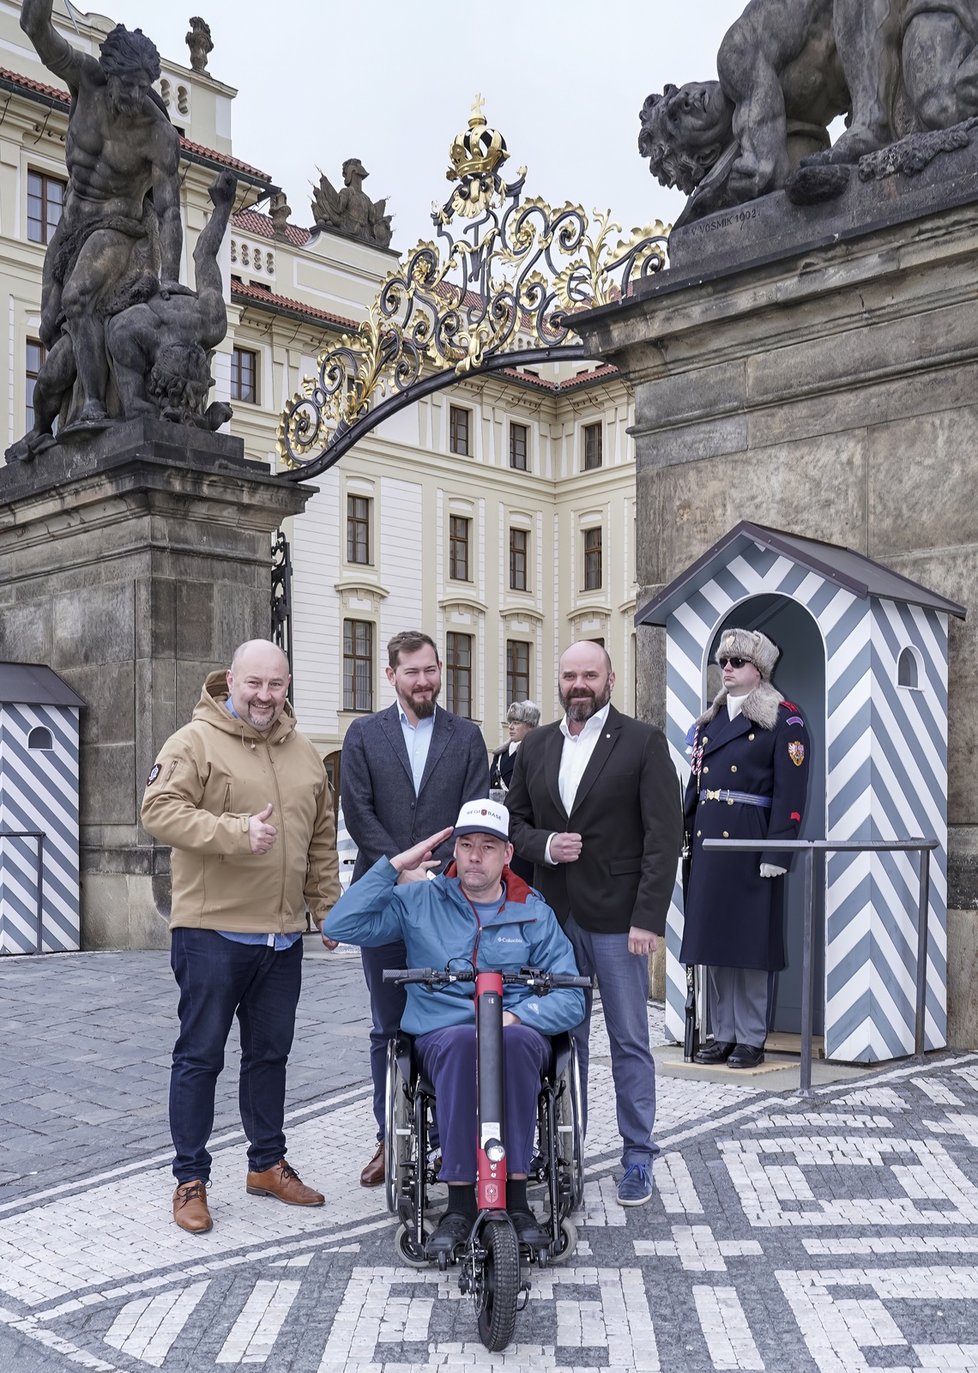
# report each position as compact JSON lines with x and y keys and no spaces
{"x":284,"y":1183}
{"x":373,"y":1174}
{"x":190,"y":1207}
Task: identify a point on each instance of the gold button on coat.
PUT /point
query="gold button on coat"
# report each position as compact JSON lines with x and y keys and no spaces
{"x":726,"y":835}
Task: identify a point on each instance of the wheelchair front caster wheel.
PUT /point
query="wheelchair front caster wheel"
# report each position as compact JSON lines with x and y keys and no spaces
{"x":407,"y":1250}
{"x":567,"y":1242}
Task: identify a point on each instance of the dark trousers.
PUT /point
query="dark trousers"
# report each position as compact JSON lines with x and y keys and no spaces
{"x":218,"y":980}
{"x":447,"y":1057}
{"x":386,"y":1009}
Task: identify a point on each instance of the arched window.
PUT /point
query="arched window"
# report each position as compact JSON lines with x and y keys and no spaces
{"x":908,"y":671}
{"x":39,"y":737}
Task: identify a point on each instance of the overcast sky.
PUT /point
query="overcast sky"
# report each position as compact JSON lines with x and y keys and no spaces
{"x":392,"y":82}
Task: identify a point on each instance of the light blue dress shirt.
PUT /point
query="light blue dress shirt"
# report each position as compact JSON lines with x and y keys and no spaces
{"x":417,"y":741}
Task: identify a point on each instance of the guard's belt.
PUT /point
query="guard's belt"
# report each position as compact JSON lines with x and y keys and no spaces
{"x":746,"y":798}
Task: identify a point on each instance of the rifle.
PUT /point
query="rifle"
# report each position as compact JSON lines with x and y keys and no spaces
{"x":691,"y":1031}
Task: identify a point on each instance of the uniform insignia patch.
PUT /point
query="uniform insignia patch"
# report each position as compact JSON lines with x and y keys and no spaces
{"x":794,"y":720}
{"x":796,"y":752}
{"x":154,"y":772}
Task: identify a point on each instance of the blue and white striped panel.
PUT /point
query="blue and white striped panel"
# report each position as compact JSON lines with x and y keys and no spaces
{"x":346,"y":850}
{"x":39,"y":791}
{"x":898,"y":788}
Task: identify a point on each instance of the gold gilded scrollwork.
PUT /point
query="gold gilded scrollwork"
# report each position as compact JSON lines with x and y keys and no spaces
{"x":508,"y":287}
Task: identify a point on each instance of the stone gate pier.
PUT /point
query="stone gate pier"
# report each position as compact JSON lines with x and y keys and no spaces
{"x":812,"y":368}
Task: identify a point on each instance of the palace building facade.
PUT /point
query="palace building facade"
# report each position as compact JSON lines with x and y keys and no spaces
{"x":497,"y":514}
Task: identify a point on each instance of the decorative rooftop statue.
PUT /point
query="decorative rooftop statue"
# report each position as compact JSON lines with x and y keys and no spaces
{"x":117,"y":249}
{"x":351,"y":212}
{"x":198,"y":40}
{"x":898,"y":70}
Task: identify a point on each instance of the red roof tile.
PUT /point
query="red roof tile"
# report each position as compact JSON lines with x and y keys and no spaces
{"x":252,"y":222}
{"x":260,"y":294}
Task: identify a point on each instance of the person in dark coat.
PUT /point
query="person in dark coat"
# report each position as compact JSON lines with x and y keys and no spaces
{"x":750,"y":760}
{"x":521,"y":717}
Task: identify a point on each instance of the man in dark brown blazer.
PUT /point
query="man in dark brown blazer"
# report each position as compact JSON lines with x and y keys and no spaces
{"x":595,"y":807}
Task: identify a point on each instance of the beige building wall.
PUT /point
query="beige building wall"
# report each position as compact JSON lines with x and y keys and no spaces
{"x":289,"y":298}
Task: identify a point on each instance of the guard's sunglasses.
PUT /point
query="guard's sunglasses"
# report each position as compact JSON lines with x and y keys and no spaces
{"x":734,"y":662}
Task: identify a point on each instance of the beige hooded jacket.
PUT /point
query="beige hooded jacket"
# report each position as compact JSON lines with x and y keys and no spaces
{"x":208,"y":780}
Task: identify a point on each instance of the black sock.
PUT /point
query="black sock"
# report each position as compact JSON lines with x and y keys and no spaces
{"x":516,"y":1195}
{"x":461,"y":1199}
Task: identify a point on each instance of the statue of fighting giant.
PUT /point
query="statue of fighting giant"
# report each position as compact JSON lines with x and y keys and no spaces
{"x":787,"y":68}
{"x":114,"y":258}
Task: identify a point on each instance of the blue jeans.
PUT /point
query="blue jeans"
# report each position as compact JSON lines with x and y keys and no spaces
{"x":624,"y":981}
{"x":218,"y":980}
{"x":386,"y":1008}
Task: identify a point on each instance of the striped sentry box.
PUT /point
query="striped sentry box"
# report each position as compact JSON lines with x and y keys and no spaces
{"x":885,"y":643}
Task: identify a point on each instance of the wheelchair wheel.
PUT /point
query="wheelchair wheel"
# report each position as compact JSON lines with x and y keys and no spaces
{"x":499,"y":1290}
{"x":570,"y":1128}
{"x":566,"y":1244}
{"x":398,"y":1131}
{"x":407,"y":1250}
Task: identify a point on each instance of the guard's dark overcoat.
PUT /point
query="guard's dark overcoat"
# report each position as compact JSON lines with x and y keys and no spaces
{"x":734,"y":917}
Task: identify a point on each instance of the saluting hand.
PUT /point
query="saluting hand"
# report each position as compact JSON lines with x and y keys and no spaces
{"x":414,"y":863}
{"x":261,"y":835}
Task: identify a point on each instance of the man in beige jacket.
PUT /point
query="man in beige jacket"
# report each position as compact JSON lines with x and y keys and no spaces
{"x":242,"y":799}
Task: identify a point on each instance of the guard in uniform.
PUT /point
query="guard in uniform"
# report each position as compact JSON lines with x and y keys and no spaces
{"x":750,"y":760}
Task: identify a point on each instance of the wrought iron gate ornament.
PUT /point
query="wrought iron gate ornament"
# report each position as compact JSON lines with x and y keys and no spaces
{"x":500,"y":292}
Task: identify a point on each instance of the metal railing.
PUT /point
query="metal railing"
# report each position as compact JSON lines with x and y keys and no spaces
{"x":814,"y":851}
{"x":39,"y":908}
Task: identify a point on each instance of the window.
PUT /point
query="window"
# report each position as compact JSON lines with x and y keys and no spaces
{"x":458,"y":548}
{"x":592,"y":559}
{"x":458,"y":674}
{"x":45,"y":201}
{"x":519,"y":548}
{"x":458,"y":429}
{"x":518,"y":435}
{"x":358,"y":665}
{"x":244,"y":375}
{"x":39,"y":737}
{"x":907,"y":673}
{"x":517,"y":670}
{"x":358,"y":529}
{"x":36,"y":353}
{"x":592,"y":446}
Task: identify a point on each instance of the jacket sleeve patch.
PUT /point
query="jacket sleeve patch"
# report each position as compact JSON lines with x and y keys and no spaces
{"x":796,"y":752}
{"x":154,"y":772}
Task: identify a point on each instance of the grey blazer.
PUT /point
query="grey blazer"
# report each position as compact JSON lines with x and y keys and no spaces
{"x":380,"y":808}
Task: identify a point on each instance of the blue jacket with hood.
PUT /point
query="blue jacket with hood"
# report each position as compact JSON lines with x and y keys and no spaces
{"x":439,"y":925}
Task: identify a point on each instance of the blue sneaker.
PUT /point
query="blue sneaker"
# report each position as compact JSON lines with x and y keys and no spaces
{"x":635,"y":1188}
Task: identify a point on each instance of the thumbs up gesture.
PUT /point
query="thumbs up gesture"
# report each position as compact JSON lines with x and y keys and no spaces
{"x":261,"y":834}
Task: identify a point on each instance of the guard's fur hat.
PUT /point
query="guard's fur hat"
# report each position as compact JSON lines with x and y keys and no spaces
{"x":757,"y":648}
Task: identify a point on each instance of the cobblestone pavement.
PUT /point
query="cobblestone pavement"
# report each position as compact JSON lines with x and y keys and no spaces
{"x":827,"y":1235}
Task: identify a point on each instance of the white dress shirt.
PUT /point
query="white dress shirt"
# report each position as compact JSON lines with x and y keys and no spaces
{"x":574,"y":758}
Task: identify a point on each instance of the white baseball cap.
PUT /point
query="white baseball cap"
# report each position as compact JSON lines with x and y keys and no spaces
{"x":483,"y":817}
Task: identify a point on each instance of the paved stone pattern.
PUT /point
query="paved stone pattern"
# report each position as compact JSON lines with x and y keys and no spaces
{"x":829,"y":1235}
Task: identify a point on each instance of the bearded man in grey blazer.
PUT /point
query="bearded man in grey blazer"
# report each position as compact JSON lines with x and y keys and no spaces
{"x":405,"y":773}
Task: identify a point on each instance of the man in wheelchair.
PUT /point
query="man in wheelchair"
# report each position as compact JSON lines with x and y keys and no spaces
{"x":480,"y":913}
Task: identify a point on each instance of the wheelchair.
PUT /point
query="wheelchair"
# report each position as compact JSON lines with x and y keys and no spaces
{"x":410,"y":1163}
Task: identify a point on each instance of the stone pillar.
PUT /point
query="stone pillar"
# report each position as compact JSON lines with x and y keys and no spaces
{"x":133,"y":567}
{"x":818,"y":375}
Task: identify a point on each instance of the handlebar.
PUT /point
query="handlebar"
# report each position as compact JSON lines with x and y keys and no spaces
{"x":537,"y":978}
